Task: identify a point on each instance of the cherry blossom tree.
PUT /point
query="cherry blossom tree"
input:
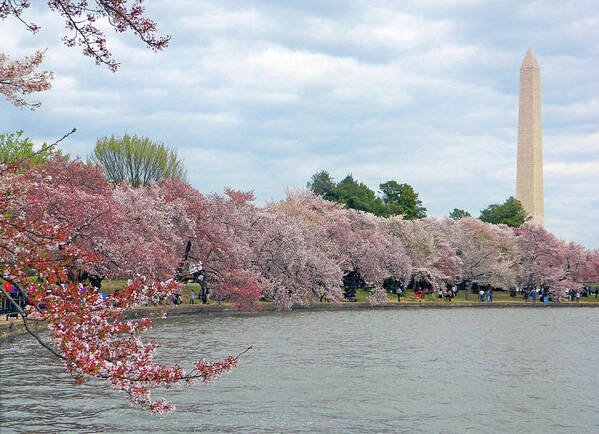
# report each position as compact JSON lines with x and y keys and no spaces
{"x":166,"y":218}
{"x":433,"y":259}
{"x":548,"y":262}
{"x":74,"y":194}
{"x":244,"y":291}
{"x":253,"y":252}
{"x":591,"y":267}
{"x":38,"y":248}
{"x":225,"y":251}
{"x":84,"y":21}
{"x":489,"y":253}
{"x":575,"y":261}
{"x":330,"y":241}
{"x":299,"y":242}
{"x":446,"y":265}
{"x":374,"y":253}
{"x":20,"y":77}
{"x":154,"y":231}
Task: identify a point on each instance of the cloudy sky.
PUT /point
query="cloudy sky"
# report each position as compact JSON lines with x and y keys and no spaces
{"x":261,"y":94}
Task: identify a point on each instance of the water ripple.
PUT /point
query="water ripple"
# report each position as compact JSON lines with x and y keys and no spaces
{"x":515,"y":370}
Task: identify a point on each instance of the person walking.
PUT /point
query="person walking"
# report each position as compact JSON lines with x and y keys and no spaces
{"x":177,"y":299}
{"x":577,"y":296}
{"x":449,"y":295}
{"x":482,"y":295}
{"x":399,"y":292}
{"x":192,"y":297}
{"x":533,"y":295}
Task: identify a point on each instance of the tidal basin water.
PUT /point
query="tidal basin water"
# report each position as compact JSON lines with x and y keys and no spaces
{"x":455,"y":370}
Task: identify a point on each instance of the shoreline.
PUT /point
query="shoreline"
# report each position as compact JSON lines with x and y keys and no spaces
{"x":15,"y":328}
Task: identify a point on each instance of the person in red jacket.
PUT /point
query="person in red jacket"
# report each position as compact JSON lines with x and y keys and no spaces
{"x":419,"y":295}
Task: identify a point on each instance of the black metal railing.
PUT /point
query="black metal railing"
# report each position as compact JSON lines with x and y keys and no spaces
{"x":7,"y":308}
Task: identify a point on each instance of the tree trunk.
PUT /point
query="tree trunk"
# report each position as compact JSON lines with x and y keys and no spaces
{"x":179,"y":272}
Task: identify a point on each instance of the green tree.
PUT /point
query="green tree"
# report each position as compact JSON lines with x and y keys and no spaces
{"x":511,"y":213}
{"x":357,"y":195}
{"x":136,"y":160}
{"x":323,"y":184}
{"x":15,"y":148}
{"x":458,"y":214}
{"x":402,"y":199}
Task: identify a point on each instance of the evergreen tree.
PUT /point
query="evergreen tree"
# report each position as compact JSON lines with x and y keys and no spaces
{"x":402,"y":199}
{"x":355,"y":194}
{"x":458,"y":214}
{"x":322,"y":184}
{"x":397,"y":198}
{"x":510,"y":213}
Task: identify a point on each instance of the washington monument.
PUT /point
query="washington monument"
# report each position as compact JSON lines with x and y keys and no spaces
{"x":529,"y":180}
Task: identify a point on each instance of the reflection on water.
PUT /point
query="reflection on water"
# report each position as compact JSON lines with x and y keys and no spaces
{"x":460,"y":370}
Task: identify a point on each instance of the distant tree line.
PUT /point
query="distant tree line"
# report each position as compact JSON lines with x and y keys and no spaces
{"x":395,"y":198}
{"x":401,"y":199}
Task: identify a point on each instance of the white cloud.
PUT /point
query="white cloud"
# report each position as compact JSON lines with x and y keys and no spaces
{"x":217,"y":19}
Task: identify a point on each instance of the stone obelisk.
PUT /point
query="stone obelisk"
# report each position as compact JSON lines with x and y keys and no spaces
{"x":529,"y":181}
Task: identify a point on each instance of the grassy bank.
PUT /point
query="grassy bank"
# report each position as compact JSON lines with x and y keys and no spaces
{"x":498,"y":296}
{"x":362,"y":295}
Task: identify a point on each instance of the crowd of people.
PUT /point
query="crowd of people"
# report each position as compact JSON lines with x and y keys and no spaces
{"x":543,"y":294}
{"x":447,"y":294}
{"x":485,"y":294}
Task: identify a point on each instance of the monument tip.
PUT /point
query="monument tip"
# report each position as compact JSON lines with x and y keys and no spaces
{"x":530,"y":60}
